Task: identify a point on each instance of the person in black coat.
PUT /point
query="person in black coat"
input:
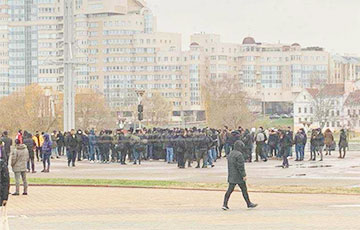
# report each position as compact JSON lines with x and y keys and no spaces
{"x":30,"y":144}
{"x":237,"y":174}
{"x":71,"y":147}
{"x":4,"y":176}
{"x":7,"y":142}
{"x":285,"y":143}
{"x":180,"y":149}
{"x":60,"y":143}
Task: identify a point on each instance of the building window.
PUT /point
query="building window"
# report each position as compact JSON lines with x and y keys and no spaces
{"x":299,"y":109}
{"x":299,"y":119}
{"x":305,"y":110}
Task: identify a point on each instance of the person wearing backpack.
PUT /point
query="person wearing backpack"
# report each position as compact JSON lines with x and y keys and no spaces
{"x":260,"y":140}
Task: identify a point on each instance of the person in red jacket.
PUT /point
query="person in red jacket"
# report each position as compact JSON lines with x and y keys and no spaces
{"x":19,"y":136}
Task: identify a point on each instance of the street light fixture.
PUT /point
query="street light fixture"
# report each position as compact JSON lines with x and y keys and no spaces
{"x":140,"y":93}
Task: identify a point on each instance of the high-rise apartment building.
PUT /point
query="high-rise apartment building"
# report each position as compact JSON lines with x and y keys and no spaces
{"x":271,"y":73}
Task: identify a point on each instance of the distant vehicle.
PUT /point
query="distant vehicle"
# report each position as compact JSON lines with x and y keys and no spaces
{"x":274,"y":116}
{"x":285,"y":116}
{"x":291,"y":115}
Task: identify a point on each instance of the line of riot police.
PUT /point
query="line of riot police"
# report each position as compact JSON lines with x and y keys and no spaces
{"x":181,"y":146}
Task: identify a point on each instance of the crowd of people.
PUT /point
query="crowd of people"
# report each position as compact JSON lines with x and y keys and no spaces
{"x":174,"y":146}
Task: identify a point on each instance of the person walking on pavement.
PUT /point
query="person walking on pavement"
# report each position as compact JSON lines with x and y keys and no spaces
{"x":19,"y":159}
{"x":4,"y":177}
{"x":237,"y":175}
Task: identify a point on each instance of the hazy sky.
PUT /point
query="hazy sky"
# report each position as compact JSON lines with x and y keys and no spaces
{"x":332,"y":24}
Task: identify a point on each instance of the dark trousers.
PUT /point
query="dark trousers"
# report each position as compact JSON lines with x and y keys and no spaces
{"x":273,"y":151}
{"x":312,"y":152}
{"x":38,"y":153}
{"x":79,"y":153}
{"x":284,"y":153}
{"x":180,"y":159}
{"x":71,"y":156}
{"x":106,"y":154}
{"x":342,"y":149}
{"x":31,"y":162}
{"x":60,"y":150}
{"x":260,"y":147}
{"x":244,"y":191}
{"x":221,"y":147}
{"x":46,"y":160}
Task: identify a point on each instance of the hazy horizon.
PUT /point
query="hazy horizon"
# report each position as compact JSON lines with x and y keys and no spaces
{"x":332,"y":24}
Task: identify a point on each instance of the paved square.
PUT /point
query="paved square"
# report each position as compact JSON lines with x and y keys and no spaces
{"x":54,"y":208}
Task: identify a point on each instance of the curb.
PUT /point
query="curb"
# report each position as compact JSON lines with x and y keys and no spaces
{"x":181,"y":189}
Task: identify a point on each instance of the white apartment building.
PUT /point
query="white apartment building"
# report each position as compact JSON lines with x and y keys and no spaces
{"x":335,"y":106}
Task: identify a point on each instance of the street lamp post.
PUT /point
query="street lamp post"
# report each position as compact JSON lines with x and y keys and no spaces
{"x":69,"y":78}
{"x":140,"y":94}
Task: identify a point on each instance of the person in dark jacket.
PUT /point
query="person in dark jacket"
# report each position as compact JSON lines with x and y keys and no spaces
{"x":247,"y":139}
{"x":71,"y":147}
{"x":189,"y":143}
{"x":343,"y":143}
{"x":46,"y":151}
{"x":273,"y":142}
{"x":237,"y":174}
{"x":4,"y":176}
{"x":79,"y":138}
{"x":285,"y":143}
{"x":92,"y":144}
{"x":300,"y":142}
{"x":60,"y":143}
{"x":7,"y":146}
{"x":202,"y":147}
{"x":320,"y":143}
{"x":106,"y":141}
{"x":30,"y":144}
{"x":313,"y":145}
{"x":180,"y":148}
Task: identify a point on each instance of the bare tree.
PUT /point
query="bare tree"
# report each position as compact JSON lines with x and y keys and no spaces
{"x":326,"y":104}
{"x":157,"y":110}
{"x":226,"y":104}
{"x":92,"y":111}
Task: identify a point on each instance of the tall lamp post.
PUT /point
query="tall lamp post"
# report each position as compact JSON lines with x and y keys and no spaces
{"x":69,"y":77}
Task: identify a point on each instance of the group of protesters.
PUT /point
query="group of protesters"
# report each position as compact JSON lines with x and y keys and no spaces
{"x":174,"y":146}
{"x":181,"y":146}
